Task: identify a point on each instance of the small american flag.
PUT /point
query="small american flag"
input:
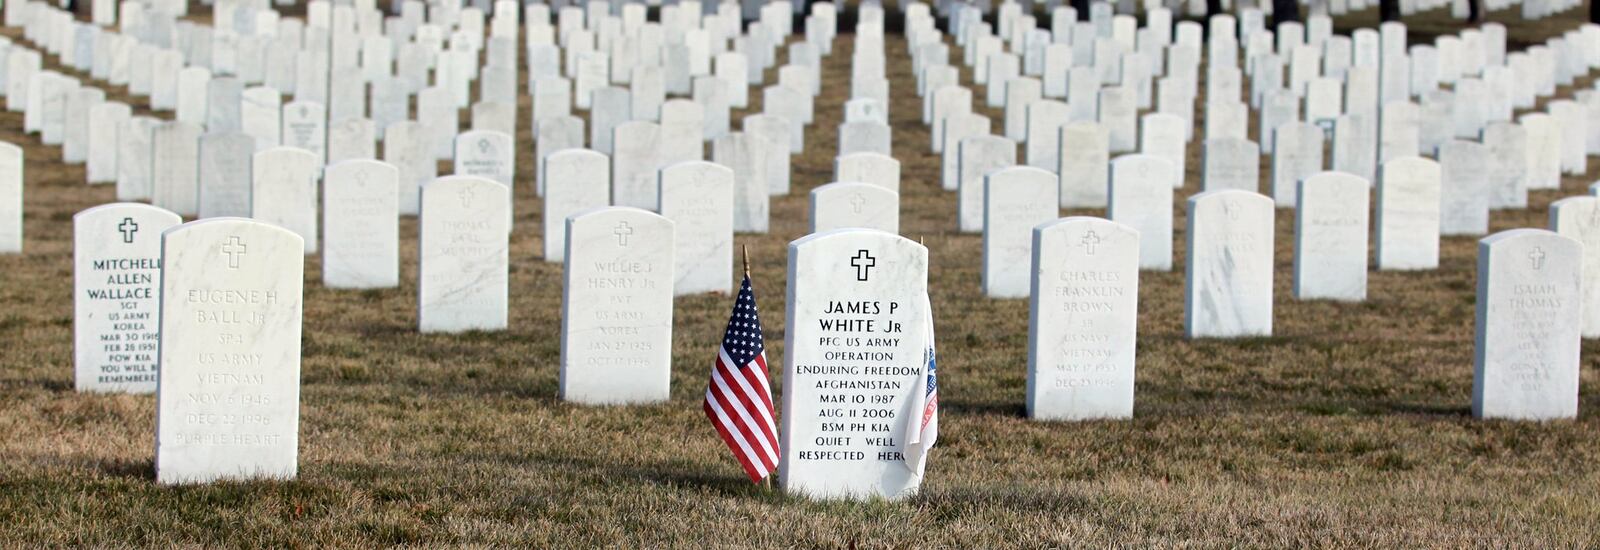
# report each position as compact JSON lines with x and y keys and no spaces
{"x":738,"y":399}
{"x":923,"y":428}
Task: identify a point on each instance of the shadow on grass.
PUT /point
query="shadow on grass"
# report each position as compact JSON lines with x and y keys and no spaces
{"x":669,"y":472}
{"x":129,"y":469}
{"x":983,"y":408}
{"x":951,"y":503}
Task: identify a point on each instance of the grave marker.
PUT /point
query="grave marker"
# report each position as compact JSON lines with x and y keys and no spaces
{"x":361,"y":230}
{"x":228,"y":400}
{"x":854,"y":204}
{"x":1525,"y":360}
{"x":1015,"y":200}
{"x":1330,"y":237}
{"x":463,"y":249}
{"x":1228,"y":276}
{"x":856,"y":308}
{"x":1082,"y":319}
{"x":616,"y":307}
{"x":116,"y":270}
{"x":1408,"y":214}
{"x":698,"y":197}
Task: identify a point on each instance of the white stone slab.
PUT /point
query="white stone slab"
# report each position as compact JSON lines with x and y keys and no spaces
{"x":751,"y":198}
{"x":854,"y":204}
{"x":225,"y":174}
{"x":1408,"y":214}
{"x":1015,"y":200}
{"x":1579,"y":219}
{"x":698,"y":197}
{"x":228,"y":403}
{"x":1141,"y":198}
{"x":135,"y":156}
{"x":284,"y":191}
{"x":855,"y":291}
{"x":1084,"y":165}
{"x":874,"y":168}
{"x":1228,"y":275}
{"x":1330,"y":237}
{"x":75,"y":123}
{"x":360,"y":222}
{"x":1525,"y":360}
{"x":682,"y":131}
{"x":409,"y":146}
{"x":304,"y":125}
{"x":1464,"y":197}
{"x":105,"y":121}
{"x":575,"y":180}
{"x":1163,"y":135}
{"x":1082,"y":320}
{"x":463,"y":248}
{"x":1231,"y":163}
{"x":979,"y":156}
{"x":1507,"y":144}
{"x":616,"y":307}
{"x":1296,"y":156}
{"x":116,"y":273}
{"x":175,"y":152}
{"x":260,"y":113}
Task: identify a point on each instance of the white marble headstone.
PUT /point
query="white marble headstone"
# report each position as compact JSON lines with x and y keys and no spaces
{"x":1231,"y":163}
{"x":857,"y":327}
{"x":1330,"y":237}
{"x":361,"y":230}
{"x":616,"y":307}
{"x":1229,"y":272}
{"x":116,"y":255}
{"x":1141,"y":198}
{"x":636,"y":157}
{"x":878,"y":169}
{"x":228,"y":399}
{"x":575,"y":180}
{"x":1084,"y":164}
{"x":1408,"y":214}
{"x":283,"y":191}
{"x":135,"y":157}
{"x":854,"y":204}
{"x":1525,"y":360}
{"x":1082,"y":319}
{"x":1015,"y":200}
{"x":225,"y":174}
{"x":979,"y":156}
{"x":464,"y":254}
{"x":408,"y":146}
{"x":11,"y":187}
{"x":698,"y":197}
{"x":1464,"y":197}
{"x":1579,"y":218}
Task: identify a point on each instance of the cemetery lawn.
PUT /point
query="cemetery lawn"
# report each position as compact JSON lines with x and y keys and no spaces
{"x":1349,"y":427}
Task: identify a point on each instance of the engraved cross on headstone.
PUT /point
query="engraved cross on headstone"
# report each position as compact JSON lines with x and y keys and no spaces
{"x":484,"y":146}
{"x":863,"y":262}
{"x":128,"y":227}
{"x":1537,"y":257}
{"x":235,"y":250}
{"x":1089,"y":241}
{"x":622,"y":230}
{"x":857,"y":201}
{"x":466,"y":197}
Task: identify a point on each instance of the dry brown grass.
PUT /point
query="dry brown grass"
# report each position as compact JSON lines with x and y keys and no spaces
{"x":1349,"y":427}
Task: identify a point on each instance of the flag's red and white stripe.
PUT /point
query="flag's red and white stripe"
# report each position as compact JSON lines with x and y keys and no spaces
{"x":738,"y":399}
{"x":739,"y":404}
